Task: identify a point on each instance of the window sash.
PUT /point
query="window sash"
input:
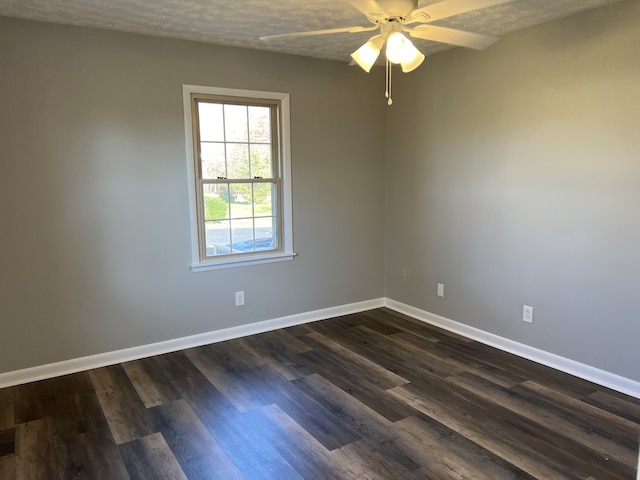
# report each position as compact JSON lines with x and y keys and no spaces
{"x":276,"y":212}
{"x":275,"y":120}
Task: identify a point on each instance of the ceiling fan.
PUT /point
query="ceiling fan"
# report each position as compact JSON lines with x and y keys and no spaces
{"x":392,"y":18}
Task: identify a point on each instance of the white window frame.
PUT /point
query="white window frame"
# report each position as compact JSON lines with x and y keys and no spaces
{"x":285,"y":253}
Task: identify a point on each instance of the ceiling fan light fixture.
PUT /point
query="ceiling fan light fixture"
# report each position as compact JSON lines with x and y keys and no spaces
{"x":368,"y":53}
{"x":400,"y":49}
{"x":414,"y":63}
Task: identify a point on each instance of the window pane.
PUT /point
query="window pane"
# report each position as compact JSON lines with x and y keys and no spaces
{"x":237,"y":160}
{"x":262,"y":197}
{"x":260,"y":124}
{"x":235,"y":123}
{"x":211,"y":123}
{"x":213,"y":164}
{"x":266,"y":238}
{"x":218,"y":238}
{"x":261,"y":165}
{"x":242,"y":200}
{"x":242,"y":235}
{"x":215,"y":206}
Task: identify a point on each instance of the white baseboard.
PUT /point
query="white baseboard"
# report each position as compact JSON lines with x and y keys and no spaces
{"x":74,"y":365}
{"x":586,"y":372}
{"x":592,"y":374}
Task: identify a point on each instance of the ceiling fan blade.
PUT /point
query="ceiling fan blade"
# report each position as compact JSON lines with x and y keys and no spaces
{"x":321,"y":32}
{"x":368,"y":7}
{"x":451,"y":36}
{"x":450,"y":8}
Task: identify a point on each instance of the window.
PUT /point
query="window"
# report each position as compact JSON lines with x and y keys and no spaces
{"x":239,"y":176}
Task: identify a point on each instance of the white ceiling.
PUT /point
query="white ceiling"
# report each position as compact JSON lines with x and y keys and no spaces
{"x":240,"y":22}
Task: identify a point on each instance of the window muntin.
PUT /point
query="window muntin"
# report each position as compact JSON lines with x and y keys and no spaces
{"x":240,"y":179}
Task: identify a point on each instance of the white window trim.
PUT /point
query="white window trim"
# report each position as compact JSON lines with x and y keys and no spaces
{"x":287,"y":253}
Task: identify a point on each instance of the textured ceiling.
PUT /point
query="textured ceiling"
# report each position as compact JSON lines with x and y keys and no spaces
{"x":240,"y":22}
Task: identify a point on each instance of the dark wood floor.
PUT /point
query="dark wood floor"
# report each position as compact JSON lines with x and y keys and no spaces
{"x":367,"y":396}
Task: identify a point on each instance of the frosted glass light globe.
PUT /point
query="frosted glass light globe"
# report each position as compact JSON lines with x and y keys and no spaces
{"x":399,"y":48}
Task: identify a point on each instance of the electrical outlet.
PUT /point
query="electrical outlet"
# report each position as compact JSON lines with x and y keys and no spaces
{"x":239,"y":298}
{"x":527,"y":314}
{"x":440,"y":290}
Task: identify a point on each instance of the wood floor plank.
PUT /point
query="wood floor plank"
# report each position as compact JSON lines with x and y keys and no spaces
{"x":233,"y":430}
{"x":8,"y":468}
{"x":205,"y":400}
{"x":350,"y":362}
{"x":416,"y":345}
{"x":483,"y":355}
{"x":412,"y":359}
{"x":200,"y":455}
{"x":621,"y":407}
{"x":499,"y":376}
{"x":279,"y":350}
{"x":413,"y":325}
{"x":391,"y":354}
{"x":72,"y":439}
{"x":359,"y":387}
{"x":89,"y":456}
{"x":624,"y":432}
{"x":53,"y":397}
{"x":31,"y":400}
{"x":531,"y":447}
{"x":373,"y":463}
{"x":125,"y":412}
{"x":7,"y":442}
{"x":374,"y":428}
{"x":356,"y":339}
{"x":244,"y":440}
{"x":79,"y":410}
{"x":231,"y":355}
{"x":69,"y":401}
{"x":302,"y":450}
{"x":406,"y":326}
{"x":447,"y":454}
{"x":566,"y":416}
{"x":361,"y":319}
{"x":150,"y":458}
{"x":152,"y":386}
{"x":409,"y":345}
{"x":305,"y":410}
{"x":38,"y":458}
{"x":274,"y":342}
{"x":7,"y":418}
{"x":299,"y":330}
{"x":480,"y":435}
{"x":228,"y":379}
{"x":373,"y":322}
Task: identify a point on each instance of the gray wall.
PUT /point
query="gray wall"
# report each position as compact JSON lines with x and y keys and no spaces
{"x":514,"y":178}
{"x":94,"y":250}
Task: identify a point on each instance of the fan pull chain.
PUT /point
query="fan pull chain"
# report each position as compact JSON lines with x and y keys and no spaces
{"x":386,"y":79}
{"x":387,"y":92}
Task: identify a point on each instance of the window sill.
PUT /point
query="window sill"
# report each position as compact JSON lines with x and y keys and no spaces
{"x":241,"y":262}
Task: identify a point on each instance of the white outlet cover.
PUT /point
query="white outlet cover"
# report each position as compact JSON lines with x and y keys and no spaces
{"x":527,"y":314}
{"x":239,"y":298}
{"x":440,"y":290}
